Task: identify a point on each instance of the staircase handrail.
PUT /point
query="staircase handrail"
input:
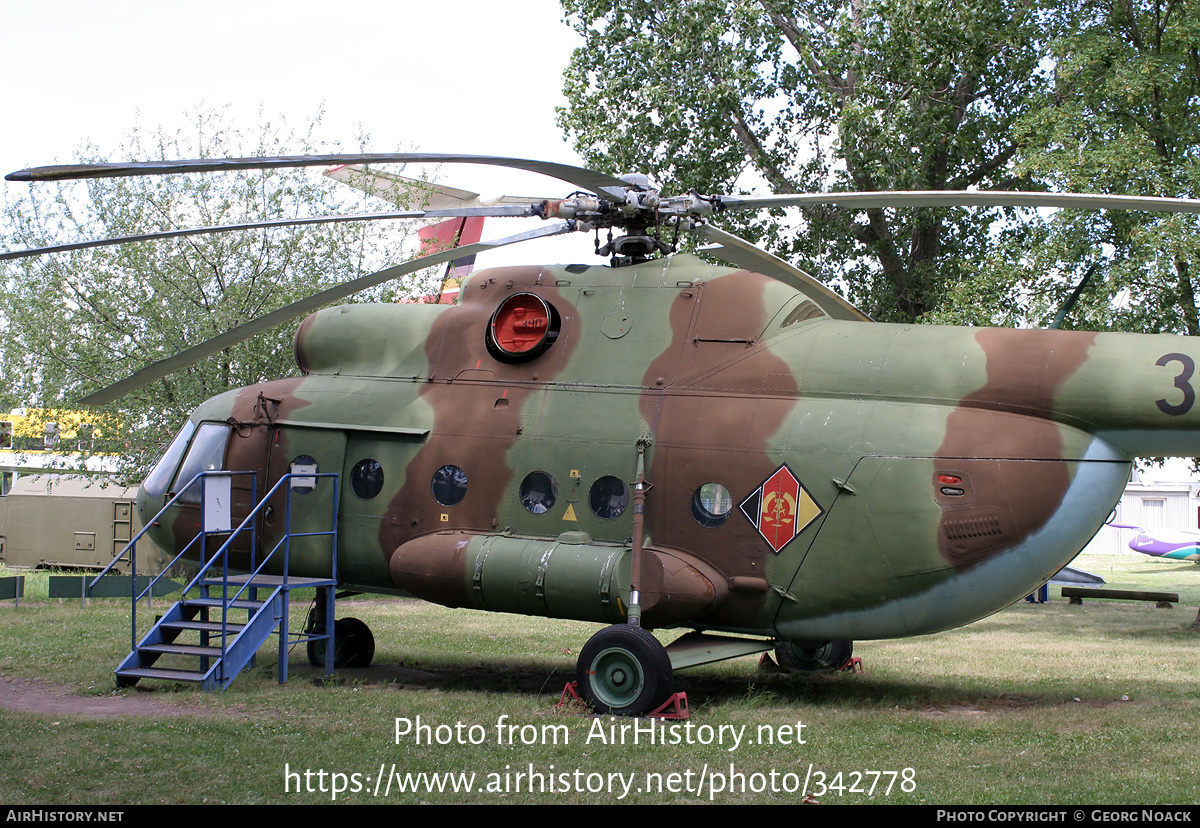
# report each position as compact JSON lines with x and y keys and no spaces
{"x":131,"y":547}
{"x":285,"y":541}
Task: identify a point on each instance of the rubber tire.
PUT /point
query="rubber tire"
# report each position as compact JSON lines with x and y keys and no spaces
{"x":624,"y":671}
{"x":828,"y":658}
{"x":353,"y":645}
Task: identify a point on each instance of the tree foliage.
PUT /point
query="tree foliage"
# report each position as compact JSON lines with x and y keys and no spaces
{"x":77,"y":322}
{"x":825,"y":95}
{"x":1124,"y":117}
{"x":1083,"y":95}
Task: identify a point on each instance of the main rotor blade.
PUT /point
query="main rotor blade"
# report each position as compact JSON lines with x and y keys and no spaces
{"x":963,"y":198}
{"x":233,"y":336}
{"x":500,"y":210}
{"x":741,"y":253}
{"x":411,"y":193}
{"x":579,"y":176}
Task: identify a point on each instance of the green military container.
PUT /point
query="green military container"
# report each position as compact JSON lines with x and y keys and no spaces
{"x":53,"y":521}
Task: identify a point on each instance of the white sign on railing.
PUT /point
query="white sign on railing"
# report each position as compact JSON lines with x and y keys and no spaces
{"x":218,"y":515}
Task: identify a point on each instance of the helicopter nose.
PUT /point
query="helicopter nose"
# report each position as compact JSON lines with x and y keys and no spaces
{"x":148,"y":505}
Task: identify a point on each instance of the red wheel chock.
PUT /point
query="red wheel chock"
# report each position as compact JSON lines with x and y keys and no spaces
{"x":676,"y":707}
{"x":570,"y":694}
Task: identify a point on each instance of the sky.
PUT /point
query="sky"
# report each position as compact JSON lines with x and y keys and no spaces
{"x":471,"y":77}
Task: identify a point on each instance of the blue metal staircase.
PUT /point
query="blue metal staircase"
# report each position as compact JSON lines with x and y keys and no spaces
{"x":214,"y":631}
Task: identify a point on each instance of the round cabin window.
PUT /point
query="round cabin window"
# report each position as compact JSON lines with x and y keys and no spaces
{"x":449,"y":485}
{"x":366,"y":479}
{"x":711,"y":504}
{"x":538,"y":492}
{"x":608,"y":497}
{"x":303,"y":468}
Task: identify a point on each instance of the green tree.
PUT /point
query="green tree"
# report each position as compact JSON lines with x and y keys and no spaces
{"x":76,"y":322}
{"x":865,"y":95}
{"x":1123,"y":117}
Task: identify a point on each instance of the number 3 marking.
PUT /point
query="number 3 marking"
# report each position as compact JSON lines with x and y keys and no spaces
{"x":1181,"y":382}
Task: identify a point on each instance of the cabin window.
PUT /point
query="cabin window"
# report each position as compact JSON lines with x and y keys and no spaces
{"x":159,"y":478}
{"x":608,"y":497}
{"x":301,"y":467}
{"x":449,"y":485}
{"x":711,"y":504}
{"x":206,"y":454}
{"x":366,"y":478}
{"x":539,"y":492}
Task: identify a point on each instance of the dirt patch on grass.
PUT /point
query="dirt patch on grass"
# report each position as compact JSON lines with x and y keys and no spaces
{"x":33,"y":696}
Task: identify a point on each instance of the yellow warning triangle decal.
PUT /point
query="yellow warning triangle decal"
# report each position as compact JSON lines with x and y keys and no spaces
{"x":570,"y":515}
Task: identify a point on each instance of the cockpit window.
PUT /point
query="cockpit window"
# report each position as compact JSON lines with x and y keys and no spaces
{"x":160,"y":476}
{"x":206,"y":454}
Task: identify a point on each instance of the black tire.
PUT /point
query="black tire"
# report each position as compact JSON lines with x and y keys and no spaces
{"x":353,"y":645}
{"x":625,"y":671}
{"x":828,"y":658}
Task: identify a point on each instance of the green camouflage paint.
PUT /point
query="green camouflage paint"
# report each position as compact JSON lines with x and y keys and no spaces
{"x":877,"y":480}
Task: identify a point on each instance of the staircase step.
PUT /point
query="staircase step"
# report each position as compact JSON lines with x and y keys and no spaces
{"x":162,"y":673}
{"x":204,"y":626}
{"x":241,"y":603}
{"x":181,"y":649}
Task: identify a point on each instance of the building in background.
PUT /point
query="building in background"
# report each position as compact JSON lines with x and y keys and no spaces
{"x":1161,"y":497}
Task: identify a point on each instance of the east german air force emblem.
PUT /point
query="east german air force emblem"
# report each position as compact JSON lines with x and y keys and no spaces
{"x":780,"y":508}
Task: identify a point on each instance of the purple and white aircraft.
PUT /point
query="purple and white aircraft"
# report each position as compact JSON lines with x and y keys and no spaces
{"x":1175,"y":544}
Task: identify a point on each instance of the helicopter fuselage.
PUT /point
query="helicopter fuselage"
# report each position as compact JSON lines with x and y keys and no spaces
{"x":810,"y":478}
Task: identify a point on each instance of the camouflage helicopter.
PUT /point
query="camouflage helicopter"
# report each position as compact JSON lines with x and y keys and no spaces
{"x":666,"y":443}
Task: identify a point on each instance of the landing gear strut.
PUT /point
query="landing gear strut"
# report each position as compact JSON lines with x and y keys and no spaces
{"x":624,"y":670}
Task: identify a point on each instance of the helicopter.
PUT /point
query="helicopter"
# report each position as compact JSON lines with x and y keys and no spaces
{"x":661,"y":442}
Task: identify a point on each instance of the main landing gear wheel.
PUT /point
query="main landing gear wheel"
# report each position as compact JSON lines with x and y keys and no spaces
{"x":353,"y":645}
{"x":624,"y":670}
{"x":829,"y":657}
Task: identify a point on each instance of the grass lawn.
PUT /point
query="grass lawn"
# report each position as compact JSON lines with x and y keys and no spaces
{"x":1039,"y":704}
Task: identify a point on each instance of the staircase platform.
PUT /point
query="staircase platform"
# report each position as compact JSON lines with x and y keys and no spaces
{"x":272,"y":581}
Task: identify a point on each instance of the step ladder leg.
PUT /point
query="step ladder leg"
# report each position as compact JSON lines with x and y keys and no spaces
{"x":329,"y":642}
{"x":283,"y":638}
